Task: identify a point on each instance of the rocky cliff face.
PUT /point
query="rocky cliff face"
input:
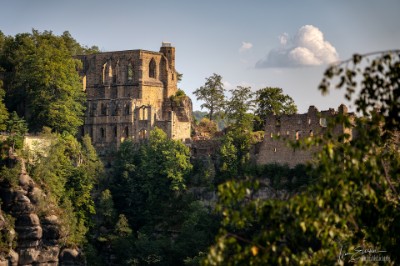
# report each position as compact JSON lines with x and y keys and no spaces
{"x":36,"y":236}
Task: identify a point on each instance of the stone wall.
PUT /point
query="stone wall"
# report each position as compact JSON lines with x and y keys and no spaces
{"x":280,"y":130}
{"x":205,"y":148}
{"x":127,"y":93}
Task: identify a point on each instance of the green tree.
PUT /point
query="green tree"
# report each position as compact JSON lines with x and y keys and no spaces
{"x":212,"y":93}
{"x":179,"y":76}
{"x":75,"y":48}
{"x":122,"y":227}
{"x":238,"y":108}
{"x":106,"y":207}
{"x":43,"y":84}
{"x":147,"y":187}
{"x":2,"y":40}
{"x":354,"y":203}
{"x":236,"y":144}
{"x":16,"y":127}
{"x":148,"y":177}
{"x":3,"y":110}
{"x":270,"y":101}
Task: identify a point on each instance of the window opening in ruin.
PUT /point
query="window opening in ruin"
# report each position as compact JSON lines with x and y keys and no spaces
{"x":130,"y":72}
{"x":113,"y":109}
{"x":142,"y":134}
{"x":278,"y":122}
{"x":115,"y":131}
{"x":107,"y":73}
{"x":126,"y":109}
{"x":103,"y":78}
{"x":102,"y":133}
{"x":279,"y":133}
{"x":152,"y":68}
{"x":322,"y":122}
{"x":110,"y":72}
{"x":116,"y":74}
{"x":94,"y":109}
{"x":274,"y":149}
{"x":143,"y":113}
{"x":272,"y":135}
{"x":311,"y":133}
{"x":103,"y":109}
{"x":126,"y":132}
{"x":299,"y":122}
{"x":287,"y":133}
{"x":309,"y":121}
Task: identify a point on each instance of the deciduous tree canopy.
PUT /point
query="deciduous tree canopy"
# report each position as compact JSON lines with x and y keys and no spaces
{"x":272,"y":101}
{"x":212,"y":93}
{"x":41,"y":80}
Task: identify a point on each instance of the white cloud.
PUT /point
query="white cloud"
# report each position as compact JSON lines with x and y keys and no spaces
{"x":307,"y":48}
{"x":284,"y":38}
{"x":245,"y":46}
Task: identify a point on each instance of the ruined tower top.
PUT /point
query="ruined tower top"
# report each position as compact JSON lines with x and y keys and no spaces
{"x":166,"y":44}
{"x":169,"y":52}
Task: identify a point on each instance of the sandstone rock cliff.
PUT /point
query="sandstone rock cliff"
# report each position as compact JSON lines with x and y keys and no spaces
{"x":36,"y":236}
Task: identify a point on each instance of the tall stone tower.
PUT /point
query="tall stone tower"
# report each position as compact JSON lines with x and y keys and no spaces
{"x":129,"y":93}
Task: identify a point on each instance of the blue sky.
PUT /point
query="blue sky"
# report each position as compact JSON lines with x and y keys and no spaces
{"x":253,"y":43}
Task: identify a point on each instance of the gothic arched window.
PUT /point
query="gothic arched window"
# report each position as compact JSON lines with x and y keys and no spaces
{"x":129,"y":72}
{"x":152,"y":68}
{"x":127,"y":108}
{"x":116,"y":73}
{"x":126,"y":132}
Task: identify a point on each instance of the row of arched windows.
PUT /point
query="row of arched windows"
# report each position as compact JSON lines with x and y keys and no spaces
{"x":125,"y":133}
{"x":102,"y":132}
{"x":110,"y":75}
{"x":113,"y":109}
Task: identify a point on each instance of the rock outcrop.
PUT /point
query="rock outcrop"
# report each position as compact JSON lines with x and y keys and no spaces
{"x":37,"y":228}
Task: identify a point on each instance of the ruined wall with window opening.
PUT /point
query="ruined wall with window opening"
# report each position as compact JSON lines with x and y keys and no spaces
{"x":128,"y":94}
{"x":279,"y":130}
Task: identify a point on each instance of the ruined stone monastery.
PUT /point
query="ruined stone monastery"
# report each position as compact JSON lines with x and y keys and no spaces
{"x":131,"y":92}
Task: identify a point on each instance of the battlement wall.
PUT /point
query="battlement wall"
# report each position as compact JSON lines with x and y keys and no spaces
{"x":281,"y":130}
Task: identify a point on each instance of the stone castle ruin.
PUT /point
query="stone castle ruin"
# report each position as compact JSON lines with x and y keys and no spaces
{"x":279,"y":130}
{"x":131,"y":92}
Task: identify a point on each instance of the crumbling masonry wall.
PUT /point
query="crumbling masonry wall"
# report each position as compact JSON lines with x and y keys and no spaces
{"x":280,"y":130}
{"x":126,"y":95}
